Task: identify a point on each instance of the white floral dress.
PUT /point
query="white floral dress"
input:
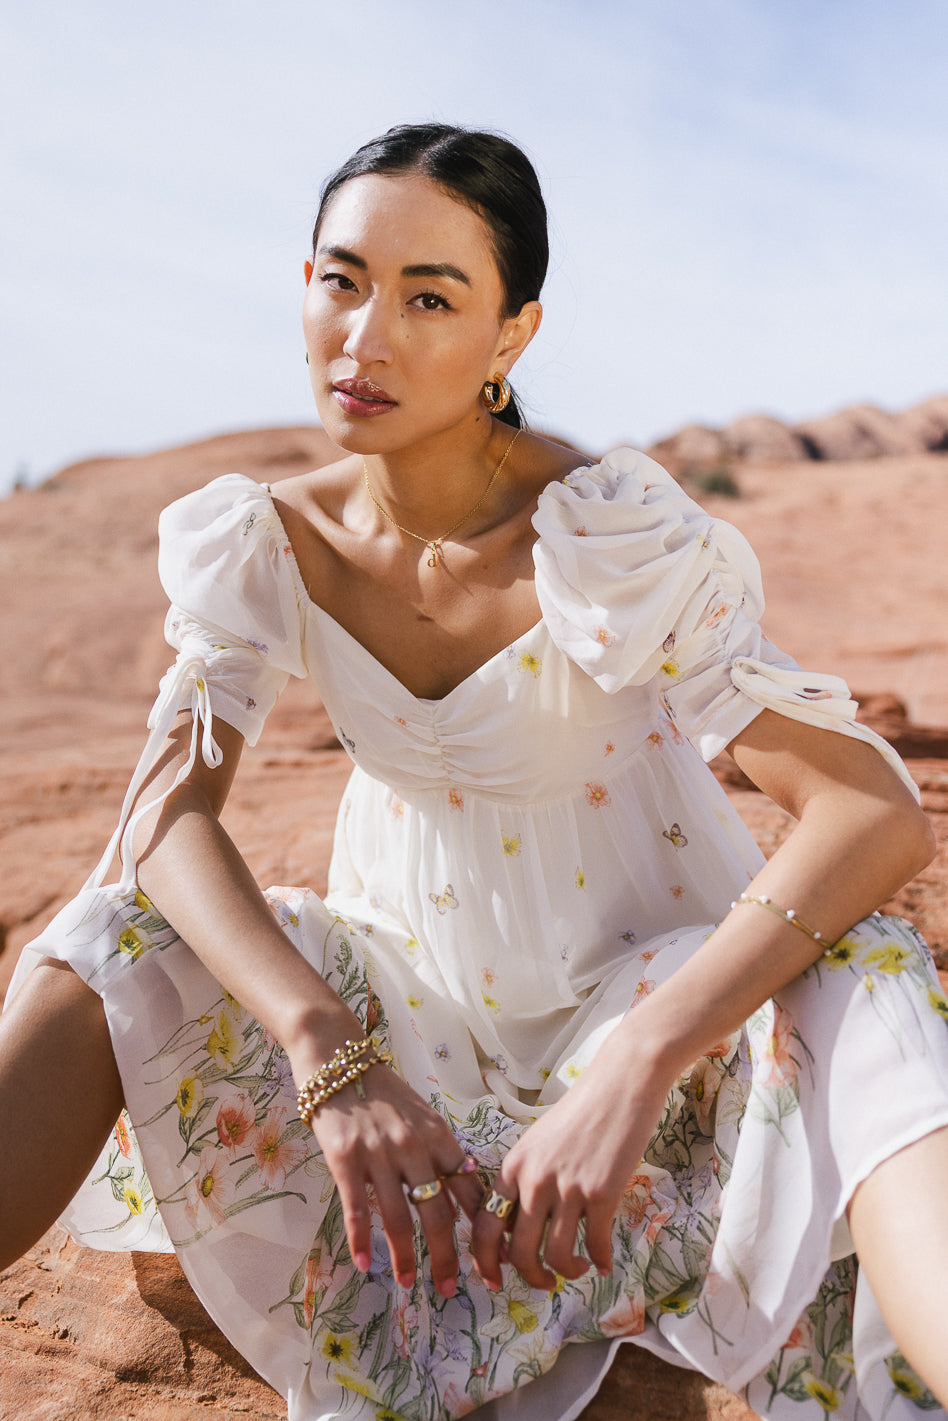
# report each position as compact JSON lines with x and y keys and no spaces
{"x":515,"y":867}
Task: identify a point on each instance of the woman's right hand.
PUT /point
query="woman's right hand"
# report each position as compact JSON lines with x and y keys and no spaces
{"x":392,"y":1141}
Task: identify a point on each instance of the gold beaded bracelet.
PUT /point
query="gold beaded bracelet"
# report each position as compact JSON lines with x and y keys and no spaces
{"x":789,"y":915}
{"x":346,"y":1064}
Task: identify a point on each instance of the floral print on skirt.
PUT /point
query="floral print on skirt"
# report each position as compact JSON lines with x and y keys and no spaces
{"x":730,"y":1249}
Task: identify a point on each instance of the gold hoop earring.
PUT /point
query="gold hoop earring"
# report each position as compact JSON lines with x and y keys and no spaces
{"x":495,"y":393}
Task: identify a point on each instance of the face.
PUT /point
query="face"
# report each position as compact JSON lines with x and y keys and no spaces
{"x":402,"y":316}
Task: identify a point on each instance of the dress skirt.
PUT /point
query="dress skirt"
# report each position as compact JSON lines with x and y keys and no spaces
{"x":731,"y":1251}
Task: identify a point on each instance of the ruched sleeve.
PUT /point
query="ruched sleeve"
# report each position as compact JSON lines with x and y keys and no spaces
{"x":637,"y":582}
{"x":236,"y":616}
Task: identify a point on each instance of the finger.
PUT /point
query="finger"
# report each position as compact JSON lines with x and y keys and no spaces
{"x":486,"y":1234}
{"x":357,"y":1219}
{"x":397,"y":1223}
{"x":599,"y":1238}
{"x":467,"y":1190}
{"x":437,"y":1220}
{"x":559,"y":1249}
{"x":527,"y":1239}
{"x":492,"y":1224}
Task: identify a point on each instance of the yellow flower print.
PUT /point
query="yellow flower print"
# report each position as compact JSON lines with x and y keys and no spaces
{"x":526,"y":661}
{"x":597,"y":796}
{"x":411,"y":946}
{"x":821,"y":1392}
{"x":675,"y":836}
{"x":189,"y":1096}
{"x":906,"y":1383}
{"x":143,"y":903}
{"x":868,"y":983}
{"x":364,"y":1388}
{"x":936,"y":1000}
{"x":511,"y":844}
{"x":670,"y":668}
{"x":891,"y":959}
{"x":415,"y":1002}
{"x":490,"y":1003}
{"x":131,"y":942}
{"x":223,"y":1041}
{"x":336,"y":1348}
{"x":677,"y":1304}
{"x":571,"y":1071}
{"x":580,"y":878}
{"x":133,"y":1199}
{"x":523,"y":1318}
{"x":841,"y":953}
{"x":236,"y":1010}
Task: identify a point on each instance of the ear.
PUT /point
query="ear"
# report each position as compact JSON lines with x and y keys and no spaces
{"x":516,"y":334}
{"x":308,"y":271}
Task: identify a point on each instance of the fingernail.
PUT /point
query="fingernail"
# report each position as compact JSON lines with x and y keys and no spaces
{"x":363,"y":1261}
{"x":405,"y":1280}
{"x":448,"y":1287}
{"x":489,"y":1283}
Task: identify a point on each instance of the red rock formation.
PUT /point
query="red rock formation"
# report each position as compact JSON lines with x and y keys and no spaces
{"x":859,"y":432}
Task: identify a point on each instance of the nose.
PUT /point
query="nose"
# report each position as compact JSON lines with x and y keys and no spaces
{"x":368,"y":339}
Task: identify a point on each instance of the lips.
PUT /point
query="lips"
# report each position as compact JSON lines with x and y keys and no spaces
{"x":362,"y":397}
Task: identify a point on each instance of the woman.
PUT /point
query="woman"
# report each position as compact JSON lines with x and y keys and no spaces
{"x":514,"y":645}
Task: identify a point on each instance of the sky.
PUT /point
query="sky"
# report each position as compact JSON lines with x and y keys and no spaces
{"x":748,"y":204}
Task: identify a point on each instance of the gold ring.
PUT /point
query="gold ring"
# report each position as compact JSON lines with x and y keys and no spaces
{"x":468,"y":1165}
{"x":429,"y":1190}
{"x":498,"y":1205}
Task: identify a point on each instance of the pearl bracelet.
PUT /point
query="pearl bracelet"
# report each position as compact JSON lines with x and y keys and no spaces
{"x":346,"y":1064}
{"x":788,"y":914}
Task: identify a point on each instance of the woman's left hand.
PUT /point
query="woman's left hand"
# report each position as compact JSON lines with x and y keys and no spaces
{"x":573,"y":1164}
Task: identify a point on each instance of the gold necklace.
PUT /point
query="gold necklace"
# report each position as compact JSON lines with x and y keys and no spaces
{"x":434,"y":544}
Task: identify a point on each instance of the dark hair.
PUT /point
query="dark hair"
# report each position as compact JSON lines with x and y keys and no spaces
{"x":489,"y":174}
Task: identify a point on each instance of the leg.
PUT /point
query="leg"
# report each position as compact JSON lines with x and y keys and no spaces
{"x":899,"y":1225}
{"x":60,"y":1095}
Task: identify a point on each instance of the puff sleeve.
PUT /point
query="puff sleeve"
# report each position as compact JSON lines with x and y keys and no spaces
{"x":236,"y":615}
{"x":637,"y":582}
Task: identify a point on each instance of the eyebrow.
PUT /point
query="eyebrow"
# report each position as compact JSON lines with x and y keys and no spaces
{"x":435,"y":269}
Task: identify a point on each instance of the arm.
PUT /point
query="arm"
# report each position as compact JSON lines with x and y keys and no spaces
{"x":192,"y":871}
{"x":859,"y":837}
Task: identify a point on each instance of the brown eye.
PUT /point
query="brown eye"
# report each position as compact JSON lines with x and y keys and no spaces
{"x":432,"y":301}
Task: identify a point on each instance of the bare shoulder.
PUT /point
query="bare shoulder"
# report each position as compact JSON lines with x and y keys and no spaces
{"x":312,"y":508}
{"x":546,"y":460}
{"x":321,"y":491}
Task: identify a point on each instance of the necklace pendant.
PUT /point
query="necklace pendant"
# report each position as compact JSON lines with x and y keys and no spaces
{"x":434,"y":548}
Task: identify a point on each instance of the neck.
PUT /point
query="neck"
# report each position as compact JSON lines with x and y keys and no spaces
{"x":430,"y":484}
